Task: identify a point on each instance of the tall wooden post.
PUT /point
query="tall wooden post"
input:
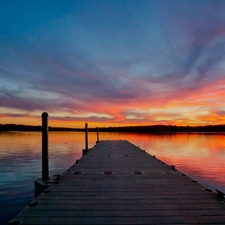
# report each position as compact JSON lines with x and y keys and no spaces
{"x":86,"y":136}
{"x":45,"y":173}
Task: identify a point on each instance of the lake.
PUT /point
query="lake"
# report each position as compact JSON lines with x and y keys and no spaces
{"x":201,"y":156}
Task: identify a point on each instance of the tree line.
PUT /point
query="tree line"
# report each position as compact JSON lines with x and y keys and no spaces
{"x":134,"y":129}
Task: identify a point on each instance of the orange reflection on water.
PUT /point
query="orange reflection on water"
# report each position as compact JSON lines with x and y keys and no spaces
{"x":73,"y":139}
{"x":17,"y":143}
{"x":201,"y":156}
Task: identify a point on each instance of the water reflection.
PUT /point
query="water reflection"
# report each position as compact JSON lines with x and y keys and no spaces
{"x":200,"y":156}
{"x":20,"y":163}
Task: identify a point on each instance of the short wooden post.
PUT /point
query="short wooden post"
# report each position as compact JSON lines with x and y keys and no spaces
{"x":85,"y":151}
{"x":45,"y":174}
{"x":97,"y":135}
{"x":86,"y":136}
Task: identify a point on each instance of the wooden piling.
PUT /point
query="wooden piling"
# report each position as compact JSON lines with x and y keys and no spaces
{"x":45,"y":172}
{"x":97,"y":130}
{"x":86,"y":136}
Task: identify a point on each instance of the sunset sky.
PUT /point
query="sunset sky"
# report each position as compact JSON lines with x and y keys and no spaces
{"x":112,"y":62}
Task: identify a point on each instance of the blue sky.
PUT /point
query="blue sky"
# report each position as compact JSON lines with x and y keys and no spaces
{"x":112,"y":62}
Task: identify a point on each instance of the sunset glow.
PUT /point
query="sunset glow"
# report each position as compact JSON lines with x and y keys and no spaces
{"x":112,"y":63}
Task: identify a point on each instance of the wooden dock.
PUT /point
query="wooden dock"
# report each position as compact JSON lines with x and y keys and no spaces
{"x":118,"y":183}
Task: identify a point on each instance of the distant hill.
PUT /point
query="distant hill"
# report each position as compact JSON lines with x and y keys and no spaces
{"x":134,"y":129}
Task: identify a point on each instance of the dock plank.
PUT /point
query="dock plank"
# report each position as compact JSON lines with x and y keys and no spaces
{"x":119,"y":183}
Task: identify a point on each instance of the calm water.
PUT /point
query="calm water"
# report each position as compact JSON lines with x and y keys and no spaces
{"x":201,"y":156}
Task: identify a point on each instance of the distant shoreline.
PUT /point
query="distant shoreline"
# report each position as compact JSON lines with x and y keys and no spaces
{"x":169,"y":129}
